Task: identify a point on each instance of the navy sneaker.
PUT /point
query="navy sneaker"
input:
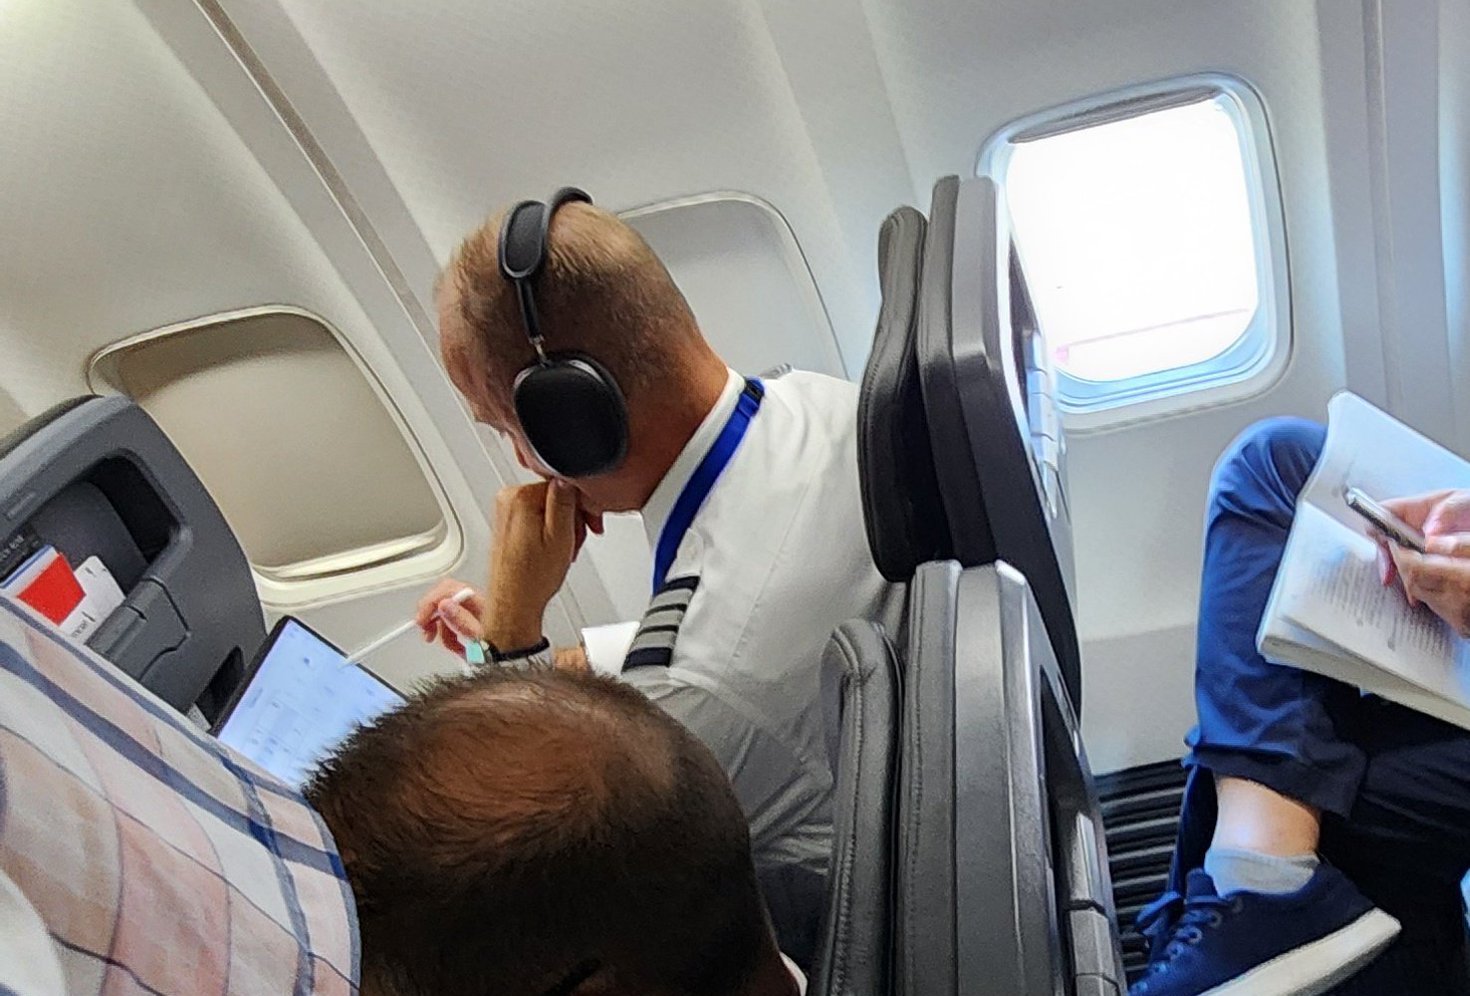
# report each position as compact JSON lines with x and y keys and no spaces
{"x":1250,"y":944}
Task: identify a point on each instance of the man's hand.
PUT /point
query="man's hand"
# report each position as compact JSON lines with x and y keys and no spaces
{"x":538,"y":532}
{"x":1440,"y":577}
{"x":447,"y":622}
{"x":571,"y":659}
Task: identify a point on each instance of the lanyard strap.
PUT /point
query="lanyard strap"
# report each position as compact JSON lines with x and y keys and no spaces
{"x":703,"y":479}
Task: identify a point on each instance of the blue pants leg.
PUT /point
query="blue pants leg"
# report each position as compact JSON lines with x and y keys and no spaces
{"x":1270,"y":724}
{"x":1393,"y":784}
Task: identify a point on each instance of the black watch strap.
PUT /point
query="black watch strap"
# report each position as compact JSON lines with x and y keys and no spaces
{"x":531,"y":653}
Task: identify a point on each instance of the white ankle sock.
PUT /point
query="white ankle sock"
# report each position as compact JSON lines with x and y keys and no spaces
{"x":1238,"y":870}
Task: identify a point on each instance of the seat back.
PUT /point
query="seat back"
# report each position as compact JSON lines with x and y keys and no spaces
{"x":98,"y":478}
{"x":902,"y":508}
{"x":157,"y":860}
{"x":1001,"y":887}
{"x":860,"y":688}
{"x":988,"y":397}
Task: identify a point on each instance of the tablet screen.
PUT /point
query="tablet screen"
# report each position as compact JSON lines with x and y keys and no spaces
{"x":300,"y":703}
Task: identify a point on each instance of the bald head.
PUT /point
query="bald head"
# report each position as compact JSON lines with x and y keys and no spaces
{"x":602,"y":292}
{"x":520,"y":831}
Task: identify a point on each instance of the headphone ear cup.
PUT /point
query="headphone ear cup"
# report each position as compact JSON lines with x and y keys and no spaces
{"x":573,"y":414}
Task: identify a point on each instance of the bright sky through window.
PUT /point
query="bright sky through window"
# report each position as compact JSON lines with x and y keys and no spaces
{"x":1136,"y":240}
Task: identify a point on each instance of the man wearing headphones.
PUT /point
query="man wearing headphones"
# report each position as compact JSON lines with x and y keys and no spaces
{"x":566,"y":334}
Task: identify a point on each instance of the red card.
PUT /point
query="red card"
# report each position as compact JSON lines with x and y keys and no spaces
{"x":54,"y":592}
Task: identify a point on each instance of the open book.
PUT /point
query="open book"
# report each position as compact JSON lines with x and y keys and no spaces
{"x":1328,"y":610}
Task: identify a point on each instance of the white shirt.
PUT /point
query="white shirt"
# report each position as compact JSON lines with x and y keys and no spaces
{"x":782,"y":559}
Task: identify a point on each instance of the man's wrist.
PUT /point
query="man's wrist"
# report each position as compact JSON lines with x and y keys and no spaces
{"x":513,"y":630}
{"x":536,"y":654}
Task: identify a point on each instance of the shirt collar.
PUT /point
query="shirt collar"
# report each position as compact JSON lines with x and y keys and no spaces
{"x":656,"y":510}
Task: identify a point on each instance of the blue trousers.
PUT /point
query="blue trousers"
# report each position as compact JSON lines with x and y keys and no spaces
{"x":1393,"y":784}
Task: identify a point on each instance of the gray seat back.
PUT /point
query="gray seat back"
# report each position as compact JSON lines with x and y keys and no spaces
{"x":1001,"y":887}
{"x":902,"y":508}
{"x":991,"y":409}
{"x":98,"y":477}
{"x":861,"y":694}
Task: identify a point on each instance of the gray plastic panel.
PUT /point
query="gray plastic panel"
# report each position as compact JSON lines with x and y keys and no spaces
{"x":1006,"y":887}
{"x":860,"y":686}
{"x":939,"y":377}
{"x":980,"y":371}
{"x":924,"y":935}
{"x":1002,"y":888}
{"x":98,"y":477}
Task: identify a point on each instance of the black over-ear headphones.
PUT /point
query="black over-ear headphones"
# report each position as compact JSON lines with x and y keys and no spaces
{"x":570,"y":408}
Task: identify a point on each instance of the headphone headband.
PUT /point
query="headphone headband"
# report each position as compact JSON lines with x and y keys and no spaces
{"x":524,"y":239}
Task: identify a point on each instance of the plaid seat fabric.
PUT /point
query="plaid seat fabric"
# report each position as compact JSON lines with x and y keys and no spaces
{"x":158,"y":860}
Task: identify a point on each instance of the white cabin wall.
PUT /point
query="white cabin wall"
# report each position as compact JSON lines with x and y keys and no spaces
{"x":637,"y":102}
{"x":139,"y":203}
{"x":1454,"y":187}
{"x":959,"y":72}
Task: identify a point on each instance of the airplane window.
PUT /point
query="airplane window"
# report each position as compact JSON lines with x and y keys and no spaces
{"x":308,"y":464}
{"x":1141,"y":239}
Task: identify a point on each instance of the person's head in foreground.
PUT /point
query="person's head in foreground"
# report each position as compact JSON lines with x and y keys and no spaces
{"x":538,"y":832}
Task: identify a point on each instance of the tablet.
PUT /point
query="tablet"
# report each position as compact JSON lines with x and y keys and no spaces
{"x":299,"y":700}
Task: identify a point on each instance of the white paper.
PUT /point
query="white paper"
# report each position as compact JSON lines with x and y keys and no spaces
{"x":100,"y":597}
{"x":101,"y":587}
{"x":1336,"y":591}
{"x":30,"y":570}
{"x":607,"y":646}
{"x":1329,"y":612}
{"x":1370,"y":449}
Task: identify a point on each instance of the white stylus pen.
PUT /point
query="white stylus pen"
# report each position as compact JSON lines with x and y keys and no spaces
{"x":458,"y":598}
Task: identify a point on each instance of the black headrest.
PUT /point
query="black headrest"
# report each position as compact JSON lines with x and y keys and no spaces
{"x":902,"y":507}
{"x":959,"y":485}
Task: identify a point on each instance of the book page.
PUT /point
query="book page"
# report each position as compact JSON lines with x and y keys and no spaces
{"x":1330,"y":586}
{"x":1369,"y":449}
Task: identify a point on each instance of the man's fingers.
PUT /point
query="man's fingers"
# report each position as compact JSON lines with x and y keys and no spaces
{"x":450,"y":641}
{"x":428,"y":605}
{"x":1406,"y":564}
{"x":1427,"y":578}
{"x":459,"y":619}
{"x":571,"y":659}
{"x":561,"y":509}
{"x":1451,"y":545}
{"x":1415,"y":510}
{"x":1451,"y":515}
{"x":1388,"y":571}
